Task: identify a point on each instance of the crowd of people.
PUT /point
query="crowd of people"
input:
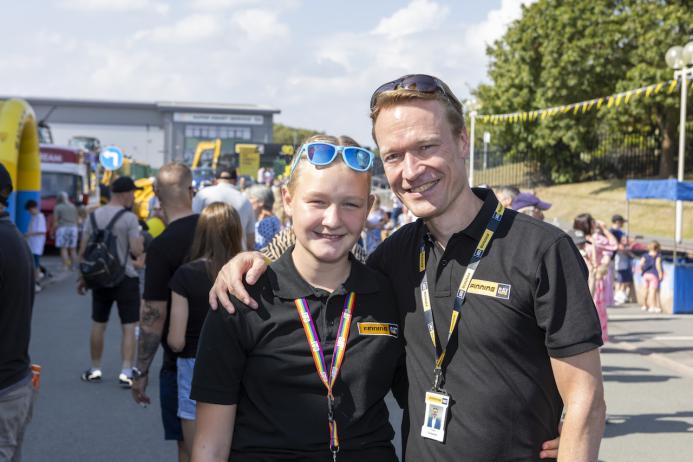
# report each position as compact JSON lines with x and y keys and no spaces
{"x":292,"y":307}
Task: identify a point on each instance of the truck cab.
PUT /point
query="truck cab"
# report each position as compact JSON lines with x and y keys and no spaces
{"x":62,"y":170}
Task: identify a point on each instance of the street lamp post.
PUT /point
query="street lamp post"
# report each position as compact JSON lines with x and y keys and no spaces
{"x":681,"y":60}
{"x":472,"y":116}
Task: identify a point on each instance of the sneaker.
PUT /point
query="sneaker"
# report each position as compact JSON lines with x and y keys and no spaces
{"x":91,"y":375}
{"x":37,"y":287}
{"x":124,"y":380}
{"x":643,"y":308}
{"x":655,"y":309}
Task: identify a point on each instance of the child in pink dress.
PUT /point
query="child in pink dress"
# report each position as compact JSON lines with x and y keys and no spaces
{"x":600,"y":246}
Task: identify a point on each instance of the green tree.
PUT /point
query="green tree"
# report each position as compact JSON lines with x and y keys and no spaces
{"x":282,"y":134}
{"x":560,"y":52}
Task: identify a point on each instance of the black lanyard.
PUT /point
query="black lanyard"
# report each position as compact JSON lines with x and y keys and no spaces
{"x":461,"y":295}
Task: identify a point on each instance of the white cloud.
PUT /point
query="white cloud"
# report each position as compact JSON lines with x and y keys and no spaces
{"x":418,"y":16}
{"x":244,"y":51}
{"x":215,"y":5}
{"x":115,"y":5}
{"x":259,"y":25}
{"x":194,"y":28}
{"x":480,"y":35}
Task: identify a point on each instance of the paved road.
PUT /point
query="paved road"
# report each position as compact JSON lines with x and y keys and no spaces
{"x":648,"y":370}
{"x":80,"y":421}
{"x":648,"y":373}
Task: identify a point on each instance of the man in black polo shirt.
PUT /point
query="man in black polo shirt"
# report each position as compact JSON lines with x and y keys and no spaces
{"x":16,"y":302}
{"x":165,"y":255}
{"x":526,"y":337}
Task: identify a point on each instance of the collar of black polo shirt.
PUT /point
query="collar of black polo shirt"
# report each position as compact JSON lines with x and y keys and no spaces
{"x":478,"y":225}
{"x":295,"y":286}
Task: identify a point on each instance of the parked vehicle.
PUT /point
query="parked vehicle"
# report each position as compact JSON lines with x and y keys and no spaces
{"x":63,"y":169}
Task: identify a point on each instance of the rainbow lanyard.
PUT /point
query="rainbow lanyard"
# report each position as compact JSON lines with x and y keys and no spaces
{"x":491,"y":228}
{"x":319,"y":357}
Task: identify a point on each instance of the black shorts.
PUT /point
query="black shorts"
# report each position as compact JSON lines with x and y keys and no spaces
{"x":126,"y":295}
{"x":624,"y":276}
{"x":168,"y":397}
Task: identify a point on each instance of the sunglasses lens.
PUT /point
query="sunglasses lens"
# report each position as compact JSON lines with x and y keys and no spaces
{"x":358,"y":159}
{"x":420,"y":82}
{"x":320,"y":153}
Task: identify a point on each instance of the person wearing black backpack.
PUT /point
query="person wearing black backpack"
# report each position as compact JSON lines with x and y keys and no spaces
{"x":111,"y":237}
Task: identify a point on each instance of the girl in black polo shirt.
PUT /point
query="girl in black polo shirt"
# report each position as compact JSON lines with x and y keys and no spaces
{"x":304,"y":376}
{"x":218,"y":237}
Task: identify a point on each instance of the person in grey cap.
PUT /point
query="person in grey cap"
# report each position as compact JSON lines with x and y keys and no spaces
{"x":529,"y":204}
{"x":16,"y":301}
{"x":126,"y":293}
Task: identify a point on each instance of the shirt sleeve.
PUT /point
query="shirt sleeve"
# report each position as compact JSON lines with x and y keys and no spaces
{"x":221,"y":357}
{"x":563,"y":304}
{"x":248,"y":211}
{"x":178,"y":282}
{"x":279,"y":244}
{"x":133,"y":225}
{"x":156,"y":274}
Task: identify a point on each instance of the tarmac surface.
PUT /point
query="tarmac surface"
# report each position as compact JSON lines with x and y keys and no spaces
{"x":648,"y":373}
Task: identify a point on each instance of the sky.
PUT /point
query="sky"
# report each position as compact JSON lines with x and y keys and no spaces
{"x":316,"y":61}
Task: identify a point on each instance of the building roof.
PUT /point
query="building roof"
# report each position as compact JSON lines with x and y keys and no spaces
{"x":163,"y":106}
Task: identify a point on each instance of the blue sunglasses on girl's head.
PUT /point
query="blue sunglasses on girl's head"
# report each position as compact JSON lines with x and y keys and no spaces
{"x":320,"y":153}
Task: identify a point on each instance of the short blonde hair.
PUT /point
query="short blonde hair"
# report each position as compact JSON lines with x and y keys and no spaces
{"x":654,"y":246}
{"x":336,"y":140}
{"x":454,"y":113}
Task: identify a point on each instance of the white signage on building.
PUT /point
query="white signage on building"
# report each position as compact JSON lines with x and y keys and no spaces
{"x":227,"y":119}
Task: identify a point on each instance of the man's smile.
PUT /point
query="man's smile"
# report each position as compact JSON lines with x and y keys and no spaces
{"x":424,"y":187}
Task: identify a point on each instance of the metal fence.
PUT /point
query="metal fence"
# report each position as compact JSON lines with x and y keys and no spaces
{"x":614,"y":156}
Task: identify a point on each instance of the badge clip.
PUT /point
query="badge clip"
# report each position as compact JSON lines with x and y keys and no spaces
{"x":437,"y":379}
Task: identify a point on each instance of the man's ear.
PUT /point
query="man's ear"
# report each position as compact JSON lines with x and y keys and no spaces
{"x":463,"y":143}
{"x":371,"y":199}
{"x":287,"y":200}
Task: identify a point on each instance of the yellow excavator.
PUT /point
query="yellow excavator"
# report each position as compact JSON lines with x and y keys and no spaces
{"x":204,"y":146}
{"x":203,"y":169}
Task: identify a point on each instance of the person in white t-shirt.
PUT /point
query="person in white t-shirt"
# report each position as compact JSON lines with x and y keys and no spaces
{"x":36,"y":235}
{"x":224,"y":191}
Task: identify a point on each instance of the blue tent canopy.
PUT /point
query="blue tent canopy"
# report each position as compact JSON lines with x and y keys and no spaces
{"x":672,"y":190}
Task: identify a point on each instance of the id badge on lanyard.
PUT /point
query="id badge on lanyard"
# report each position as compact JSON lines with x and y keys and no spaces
{"x":437,"y":400}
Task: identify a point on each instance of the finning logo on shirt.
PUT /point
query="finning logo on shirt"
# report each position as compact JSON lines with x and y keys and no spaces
{"x":378,"y":328}
{"x":490,"y":289}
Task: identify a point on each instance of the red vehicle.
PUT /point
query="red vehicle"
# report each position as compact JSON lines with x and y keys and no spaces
{"x":62,"y":170}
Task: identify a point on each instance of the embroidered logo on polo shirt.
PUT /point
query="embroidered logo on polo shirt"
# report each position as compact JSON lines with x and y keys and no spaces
{"x":490,"y":289}
{"x":378,"y":328}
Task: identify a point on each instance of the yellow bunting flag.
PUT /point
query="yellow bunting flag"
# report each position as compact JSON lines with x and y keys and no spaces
{"x":611,"y":101}
{"x":672,"y":87}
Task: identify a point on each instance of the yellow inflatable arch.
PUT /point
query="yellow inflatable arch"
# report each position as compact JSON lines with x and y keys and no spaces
{"x":19,"y":152}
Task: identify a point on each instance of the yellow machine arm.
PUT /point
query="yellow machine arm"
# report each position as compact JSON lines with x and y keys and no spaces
{"x":203,"y":146}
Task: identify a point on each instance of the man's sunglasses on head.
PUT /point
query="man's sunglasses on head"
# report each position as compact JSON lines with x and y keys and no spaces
{"x":418,"y":82}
